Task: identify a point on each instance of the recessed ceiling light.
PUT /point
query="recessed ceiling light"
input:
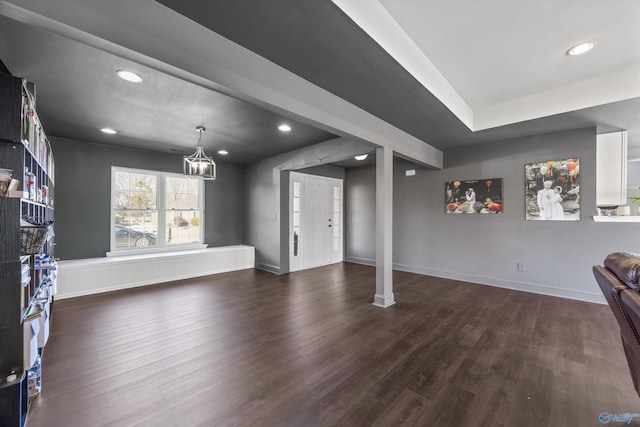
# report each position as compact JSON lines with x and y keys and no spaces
{"x":361,"y":157}
{"x":223,"y":152}
{"x":109,"y":131}
{"x":284,"y":128}
{"x":581,"y":48}
{"x":129,"y":76}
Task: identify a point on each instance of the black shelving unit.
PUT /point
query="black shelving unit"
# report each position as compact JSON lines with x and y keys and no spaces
{"x":25,"y":150}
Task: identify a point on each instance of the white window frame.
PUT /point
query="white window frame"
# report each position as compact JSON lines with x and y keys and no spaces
{"x":160,"y":245}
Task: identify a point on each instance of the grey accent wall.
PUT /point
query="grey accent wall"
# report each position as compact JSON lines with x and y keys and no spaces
{"x":558,"y":255}
{"x":263,"y":195}
{"x":224,"y":206}
{"x":83,"y":193}
{"x":360,"y":214}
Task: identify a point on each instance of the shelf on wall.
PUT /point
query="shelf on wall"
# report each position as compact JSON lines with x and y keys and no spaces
{"x":616,"y":218}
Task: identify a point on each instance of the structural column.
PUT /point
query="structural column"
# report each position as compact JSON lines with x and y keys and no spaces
{"x":384,"y":228}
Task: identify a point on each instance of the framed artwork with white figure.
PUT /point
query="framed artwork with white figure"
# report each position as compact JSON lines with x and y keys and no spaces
{"x":552,"y":190}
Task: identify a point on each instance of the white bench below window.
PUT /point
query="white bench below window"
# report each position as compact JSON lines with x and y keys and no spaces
{"x":95,"y":275}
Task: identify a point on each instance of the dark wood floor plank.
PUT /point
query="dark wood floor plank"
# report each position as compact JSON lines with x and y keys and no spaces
{"x":406,"y":410}
{"x":449,"y":408}
{"x":531,"y":403}
{"x":361,"y":378}
{"x":251,"y":348}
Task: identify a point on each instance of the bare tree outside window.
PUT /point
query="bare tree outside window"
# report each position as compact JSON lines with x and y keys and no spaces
{"x":135,"y":209}
{"x":155,"y":209}
{"x":183,"y":211}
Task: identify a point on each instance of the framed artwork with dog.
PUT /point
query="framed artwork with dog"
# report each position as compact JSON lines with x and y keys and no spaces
{"x":475,"y":196}
{"x":552,"y":190}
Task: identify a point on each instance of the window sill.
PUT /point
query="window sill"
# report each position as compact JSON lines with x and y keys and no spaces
{"x":160,"y":250}
{"x":616,"y":218}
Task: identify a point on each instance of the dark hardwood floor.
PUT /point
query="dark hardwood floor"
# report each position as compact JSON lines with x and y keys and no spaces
{"x":251,"y":348}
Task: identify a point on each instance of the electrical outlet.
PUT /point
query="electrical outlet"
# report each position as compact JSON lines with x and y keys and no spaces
{"x":521,"y":266}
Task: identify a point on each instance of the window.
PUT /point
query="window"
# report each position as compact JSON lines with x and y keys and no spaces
{"x":337,"y":215}
{"x":296,"y":217}
{"x":155,"y":210}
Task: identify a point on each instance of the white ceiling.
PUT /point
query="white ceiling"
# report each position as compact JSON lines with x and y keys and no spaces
{"x":510,"y":53}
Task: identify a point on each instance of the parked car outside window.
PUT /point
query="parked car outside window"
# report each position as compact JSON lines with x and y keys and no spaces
{"x":127,"y":237}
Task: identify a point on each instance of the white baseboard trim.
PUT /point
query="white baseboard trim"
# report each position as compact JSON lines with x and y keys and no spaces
{"x":268,"y":267}
{"x":357,"y":260}
{"x":488,"y":281}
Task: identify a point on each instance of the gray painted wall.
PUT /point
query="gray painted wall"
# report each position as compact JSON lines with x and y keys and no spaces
{"x":558,"y":256}
{"x":263,"y":196}
{"x":83,"y":188}
{"x":360,"y":214}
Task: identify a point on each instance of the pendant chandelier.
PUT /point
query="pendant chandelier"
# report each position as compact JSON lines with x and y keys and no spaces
{"x":198,"y":164}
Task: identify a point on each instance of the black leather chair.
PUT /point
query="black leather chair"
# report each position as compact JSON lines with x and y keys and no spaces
{"x":619,"y":280}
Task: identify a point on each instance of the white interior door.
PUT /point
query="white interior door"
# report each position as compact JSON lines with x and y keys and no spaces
{"x":315,"y":221}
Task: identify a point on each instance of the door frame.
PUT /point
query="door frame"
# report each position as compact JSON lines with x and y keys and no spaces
{"x":296,"y":258}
